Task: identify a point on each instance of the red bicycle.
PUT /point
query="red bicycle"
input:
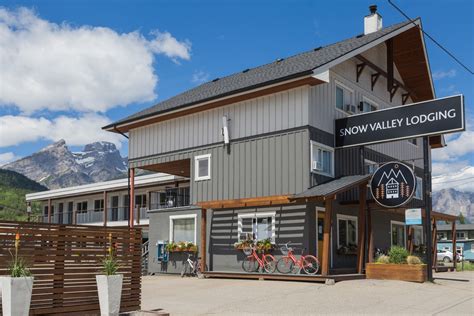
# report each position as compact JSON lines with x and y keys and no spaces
{"x":308,"y":263}
{"x":253,"y":262}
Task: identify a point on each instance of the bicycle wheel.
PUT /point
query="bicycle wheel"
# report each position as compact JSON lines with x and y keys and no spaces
{"x":310,"y":264}
{"x":249,"y":264}
{"x":198,"y":269}
{"x":269,"y":263}
{"x":285,"y":265}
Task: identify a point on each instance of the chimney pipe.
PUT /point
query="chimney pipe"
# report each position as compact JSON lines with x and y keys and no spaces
{"x":373,"y":21}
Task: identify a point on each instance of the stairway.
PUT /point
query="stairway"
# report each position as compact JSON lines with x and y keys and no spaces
{"x":145,"y":253}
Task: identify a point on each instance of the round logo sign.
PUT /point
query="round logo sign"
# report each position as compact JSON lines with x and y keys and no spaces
{"x":393,"y":184}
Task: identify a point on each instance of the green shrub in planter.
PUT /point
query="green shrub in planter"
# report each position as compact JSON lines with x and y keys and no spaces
{"x":398,"y":255}
{"x":383,"y":259}
{"x":414,"y":260}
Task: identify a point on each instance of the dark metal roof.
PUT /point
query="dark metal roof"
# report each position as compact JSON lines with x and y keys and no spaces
{"x":278,"y":71}
{"x":332,"y":187}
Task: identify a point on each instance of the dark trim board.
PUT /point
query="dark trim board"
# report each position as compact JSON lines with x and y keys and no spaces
{"x":283,"y":277}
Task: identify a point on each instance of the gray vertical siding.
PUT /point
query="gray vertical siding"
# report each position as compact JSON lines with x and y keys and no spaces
{"x":279,"y":111}
{"x":270,"y":165}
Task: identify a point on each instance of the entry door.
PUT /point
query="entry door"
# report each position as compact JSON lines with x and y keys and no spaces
{"x":115,"y":207}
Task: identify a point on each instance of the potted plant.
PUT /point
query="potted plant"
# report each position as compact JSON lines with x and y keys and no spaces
{"x":109,"y":284}
{"x":244,"y":243}
{"x":181,"y":247}
{"x":398,"y":265}
{"x":264,"y":245}
{"x":18,"y":286}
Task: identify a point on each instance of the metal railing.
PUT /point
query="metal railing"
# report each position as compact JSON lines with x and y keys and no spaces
{"x":114,"y":214}
{"x":170,"y":198}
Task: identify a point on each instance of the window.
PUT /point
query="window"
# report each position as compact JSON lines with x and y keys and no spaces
{"x":413,"y":141}
{"x":368,"y":106}
{"x":417,"y":235}
{"x":202,"y":166}
{"x":371,"y":166}
{"x":258,"y":226}
{"x":344,"y":99}
{"x":140,"y":201}
{"x":461,"y":235}
{"x":322,"y":159}
{"x":346,"y":231}
{"x":419,"y":188}
{"x":398,"y":233}
{"x":442,"y":236}
{"x":99,"y":205}
{"x":183,"y":228}
{"x":81,"y":207}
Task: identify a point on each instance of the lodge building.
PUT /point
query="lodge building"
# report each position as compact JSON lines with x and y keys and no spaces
{"x":256,"y":150}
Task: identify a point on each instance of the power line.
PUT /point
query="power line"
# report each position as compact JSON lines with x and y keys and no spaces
{"x":431,"y":38}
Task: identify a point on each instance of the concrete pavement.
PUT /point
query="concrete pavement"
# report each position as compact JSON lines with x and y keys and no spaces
{"x":451,"y":294}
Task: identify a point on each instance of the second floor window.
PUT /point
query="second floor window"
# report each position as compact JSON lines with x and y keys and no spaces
{"x":322,"y":159}
{"x":344,"y":99}
{"x":81,"y":207}
{"x":368,"y":106}
{"x":140,"y":201}
{"x":461,"y":235}
{"x":202,"y":167}
{"x":99,"y":205}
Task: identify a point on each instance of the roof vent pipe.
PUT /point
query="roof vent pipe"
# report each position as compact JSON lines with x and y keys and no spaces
{"x":373,"y":21}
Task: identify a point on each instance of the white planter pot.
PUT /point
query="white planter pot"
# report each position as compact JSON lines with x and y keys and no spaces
{"x":16,"y":295}
{"x":110,"y":292}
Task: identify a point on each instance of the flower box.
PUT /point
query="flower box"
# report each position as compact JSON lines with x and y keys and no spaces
{"x":401,"y":272}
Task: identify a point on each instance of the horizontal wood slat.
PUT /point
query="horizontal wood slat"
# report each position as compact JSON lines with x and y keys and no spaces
{"x":64,"y":261}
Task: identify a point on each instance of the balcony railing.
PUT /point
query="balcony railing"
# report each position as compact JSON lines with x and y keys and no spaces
{"x":170,"y":198}
{"x":114,"y":214}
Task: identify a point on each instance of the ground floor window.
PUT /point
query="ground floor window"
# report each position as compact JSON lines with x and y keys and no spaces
{"x":257,"y":226}
{"x":417,"y":235}
{"x":183,"y":228}
{"x":346,"y":232}
{"x":398,"y":233}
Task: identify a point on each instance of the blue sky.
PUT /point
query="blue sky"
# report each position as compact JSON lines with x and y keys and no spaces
{"x":182,"y":43}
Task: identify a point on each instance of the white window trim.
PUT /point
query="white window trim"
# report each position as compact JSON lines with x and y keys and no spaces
{"x":196,"y":167}
{"x":461,"y":238}
{"x":173,"y":217}
{"x":347,"y":217}
{"x":414,"y":195}
{"x":338,"y":83}
{"x":410,"y":142}
{"x":404,"y":232}
{"x":252,"y":216}
{"x":325,"y":147}
{"x":372,"y":102}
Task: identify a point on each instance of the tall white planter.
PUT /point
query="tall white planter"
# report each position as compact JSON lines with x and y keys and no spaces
{"x":110,"y":292}
{"x":16,"y":295}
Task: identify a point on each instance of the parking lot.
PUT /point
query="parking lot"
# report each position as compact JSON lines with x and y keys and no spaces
{"x":451,"y":294}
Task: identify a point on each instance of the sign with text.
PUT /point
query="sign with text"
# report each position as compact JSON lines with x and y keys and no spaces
{"x":413,"y":216}
{"x":434,"y":117}
{"x":393,"y":184}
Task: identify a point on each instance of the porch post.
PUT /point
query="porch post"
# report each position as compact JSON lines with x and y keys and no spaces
{"x":361,"y":229}
{"x":49,"y":211}
{"x":434,"y":240}
{"x":105,"y":209}
{"x":132,"y":197}
{"x":410,"y":239}
{"x":203,"y":239}
{"x":327,"y":236}
{"x":454,"y":246}
{"x":370,"y":237}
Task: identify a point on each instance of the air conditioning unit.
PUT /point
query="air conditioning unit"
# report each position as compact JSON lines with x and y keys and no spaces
{"x":317,"y":166}
{"x":349,"y":108}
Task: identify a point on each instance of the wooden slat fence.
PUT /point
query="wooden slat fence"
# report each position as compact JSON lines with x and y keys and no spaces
{"x":64,"y":261}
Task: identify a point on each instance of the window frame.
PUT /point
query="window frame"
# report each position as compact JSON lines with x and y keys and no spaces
{"x":392,"y":222}
{"x":351,"y":102}
{"x":343,"y":217}
{"x":196,"y":167}
{"x":461,"y":238}
{"x":184,"y":216}
{"x":326,"y":148}
{"x":419,"y":228}
{"x":369,"y":101}
{"x":368,"y":162}
{"x":82,"y":203}
{"x":410,"y":141}
{"x":253,"y":216}
{"x":416,"y":188}
{"x":101,"y":205}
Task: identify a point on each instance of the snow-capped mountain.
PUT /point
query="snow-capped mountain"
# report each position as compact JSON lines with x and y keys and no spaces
{"x":55,"y":166}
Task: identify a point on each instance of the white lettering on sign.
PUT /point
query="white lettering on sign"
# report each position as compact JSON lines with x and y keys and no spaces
{"x":398,"y":122}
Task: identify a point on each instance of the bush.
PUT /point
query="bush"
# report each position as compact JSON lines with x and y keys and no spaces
{"x":383,"y":259}
{"x":398,"y":255}
{"x":413,"y":260}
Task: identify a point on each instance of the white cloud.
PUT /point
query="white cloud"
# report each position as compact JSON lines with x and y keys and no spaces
{"x":456,"y":147}
{"x":87,"y":69}
{"x":446,"y":168}
{"x":85,"y":129}
{"x":440,"y":74}
{"x":461,"y":180}
{"x":200,"y":77}
{"x":7,"y":157}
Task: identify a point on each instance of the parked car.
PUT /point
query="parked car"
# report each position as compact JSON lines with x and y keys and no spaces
{"x":447,"y":256}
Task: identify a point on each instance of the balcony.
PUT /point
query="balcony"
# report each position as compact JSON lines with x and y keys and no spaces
{"x":114,"y":214}
{"x":170,"y":198}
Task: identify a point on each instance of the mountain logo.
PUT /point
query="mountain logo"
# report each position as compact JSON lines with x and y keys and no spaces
{"x":393,"y":184}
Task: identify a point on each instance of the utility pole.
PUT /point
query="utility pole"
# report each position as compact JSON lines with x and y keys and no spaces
{"x":428,"y":206}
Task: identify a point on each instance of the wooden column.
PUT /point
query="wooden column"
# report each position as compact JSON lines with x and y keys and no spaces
{"x":434,"y":241}
{"x":361,"y":229}
{"x":454,"y":246}
{"x":203,"y":239}
{"x":105,"y":209}
{"x":326,"y":237}
{"x":410,"y":239}
{"x":49,"y":211}
{"x":132,"y":197}
{"x":370,"y":237}
{"x":74,"y":215}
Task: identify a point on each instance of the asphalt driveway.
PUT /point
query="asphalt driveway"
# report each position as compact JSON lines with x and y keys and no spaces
{"x":451,"y":294}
